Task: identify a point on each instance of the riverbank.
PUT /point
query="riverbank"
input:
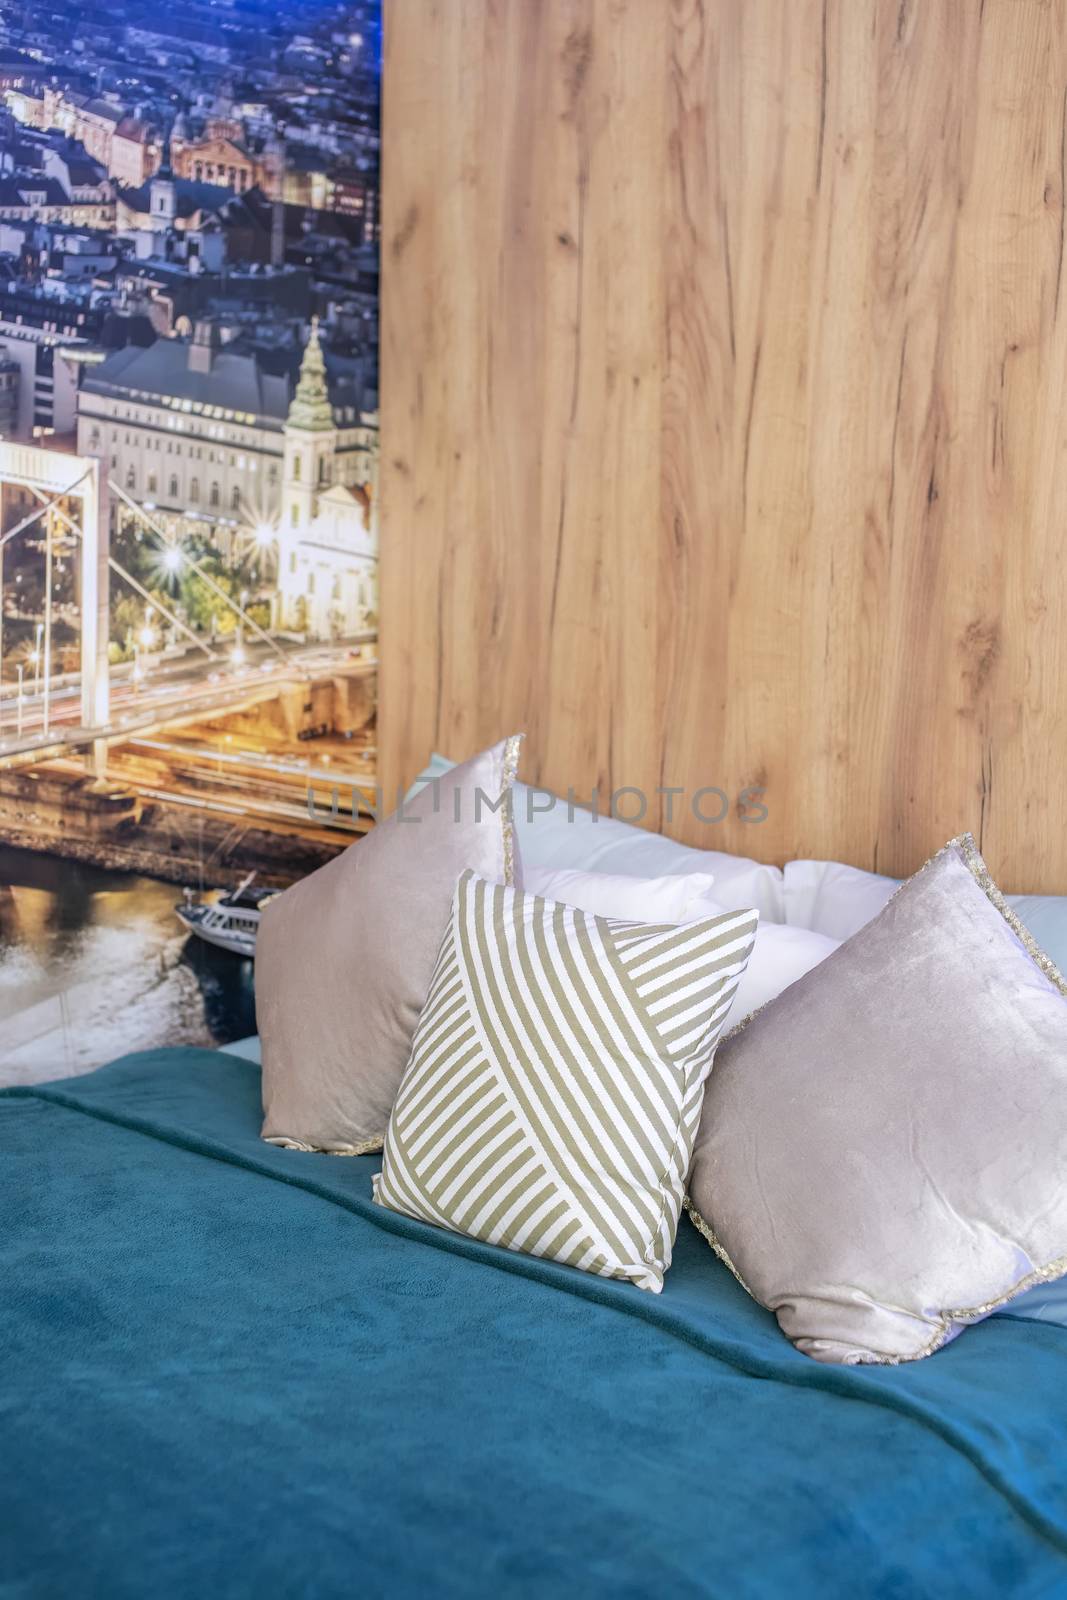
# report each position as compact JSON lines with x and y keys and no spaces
{"x":168,"y":854}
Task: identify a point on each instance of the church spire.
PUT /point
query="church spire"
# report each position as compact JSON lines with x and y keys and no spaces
{"x":311,"y":409}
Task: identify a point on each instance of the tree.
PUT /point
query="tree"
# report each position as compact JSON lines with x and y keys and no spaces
{"x":204,"y":606}
{"x":127,"y":616}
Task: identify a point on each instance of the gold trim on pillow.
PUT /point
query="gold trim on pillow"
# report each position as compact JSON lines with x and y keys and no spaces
{"x":366,"y":1147}
{"x":509,"y":768}
{"x":980,"y":872}
{"x":710,"y":1235}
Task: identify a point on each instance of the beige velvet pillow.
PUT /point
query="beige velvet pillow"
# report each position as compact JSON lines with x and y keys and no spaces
{"x":882,"y":1152}
{"x":344,"y":958}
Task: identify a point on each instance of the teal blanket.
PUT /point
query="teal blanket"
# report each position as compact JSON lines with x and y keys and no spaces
{"x":223,"y":1372}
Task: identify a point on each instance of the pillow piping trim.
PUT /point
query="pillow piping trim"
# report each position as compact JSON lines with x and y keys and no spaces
{"x":366,"y":1147}
{"x":712,"y":1238}
{"x":508,"y":770}
{"x":950,"y":1322}
{"x":981,"y":874}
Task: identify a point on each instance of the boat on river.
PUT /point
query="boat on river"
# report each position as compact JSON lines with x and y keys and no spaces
{"x":230,"y":922}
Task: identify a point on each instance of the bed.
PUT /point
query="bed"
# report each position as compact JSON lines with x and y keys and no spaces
{"x":225,"y":1372}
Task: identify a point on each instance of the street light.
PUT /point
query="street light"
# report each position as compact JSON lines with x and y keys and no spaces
{"x":147,"y":635}
{"x":265,"y":540}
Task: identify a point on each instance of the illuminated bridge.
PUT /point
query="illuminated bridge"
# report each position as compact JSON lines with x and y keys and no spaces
{"x":159,"y":734}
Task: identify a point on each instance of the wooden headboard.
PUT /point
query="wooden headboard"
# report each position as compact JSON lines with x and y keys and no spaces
{"x":724,"y":441}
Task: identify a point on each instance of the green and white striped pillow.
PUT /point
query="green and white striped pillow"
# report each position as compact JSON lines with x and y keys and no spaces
{"x":556,"y":1078}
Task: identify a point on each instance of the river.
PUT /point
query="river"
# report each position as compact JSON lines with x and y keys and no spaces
{"x":94,"y":963}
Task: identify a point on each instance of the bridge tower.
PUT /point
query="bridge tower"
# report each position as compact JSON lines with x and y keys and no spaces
{"x":53,"y":477}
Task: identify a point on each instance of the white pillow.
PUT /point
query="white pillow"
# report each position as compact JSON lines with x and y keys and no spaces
{"x":678,"y":897}
{"x":829,"y":897}
{"x":780,"y":956}
{"x":553,"y":834}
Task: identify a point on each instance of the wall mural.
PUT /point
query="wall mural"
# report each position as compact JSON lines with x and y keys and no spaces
{"x":189,"y":220}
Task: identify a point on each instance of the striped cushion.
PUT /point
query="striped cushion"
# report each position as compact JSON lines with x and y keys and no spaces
{"x":556,"y":1078}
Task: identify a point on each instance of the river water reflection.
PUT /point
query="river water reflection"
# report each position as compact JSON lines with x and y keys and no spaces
{"x":94,"y":963}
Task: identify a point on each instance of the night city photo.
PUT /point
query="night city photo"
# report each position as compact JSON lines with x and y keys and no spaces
{"x":189,"y":222}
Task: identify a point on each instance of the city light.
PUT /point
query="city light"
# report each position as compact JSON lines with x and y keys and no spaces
{"x":263,"y":534}
{"x":148,"y":638}
{"x":172,"y":559}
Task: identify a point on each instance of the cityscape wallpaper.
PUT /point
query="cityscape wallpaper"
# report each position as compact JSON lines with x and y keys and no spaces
{"x":189,"y":222}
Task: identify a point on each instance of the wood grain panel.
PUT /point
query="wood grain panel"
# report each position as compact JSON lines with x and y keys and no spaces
{"x":724,"y":348}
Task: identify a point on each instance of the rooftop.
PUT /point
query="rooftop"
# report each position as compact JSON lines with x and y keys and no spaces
{"x":16,"y":190}
{"x":236,"y":381}
{"x":259,"y":384}
{"x":191,"y":197}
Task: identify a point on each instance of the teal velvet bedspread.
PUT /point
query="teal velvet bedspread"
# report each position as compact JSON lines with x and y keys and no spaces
{"x":223,"y":1372}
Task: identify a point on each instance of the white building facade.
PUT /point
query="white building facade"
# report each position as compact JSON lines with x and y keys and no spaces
{"x":210,"y":443}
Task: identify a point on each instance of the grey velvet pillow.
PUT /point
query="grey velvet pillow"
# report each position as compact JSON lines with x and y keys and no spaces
{"x":344,"y":958}
{"x":882,"y":1153}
